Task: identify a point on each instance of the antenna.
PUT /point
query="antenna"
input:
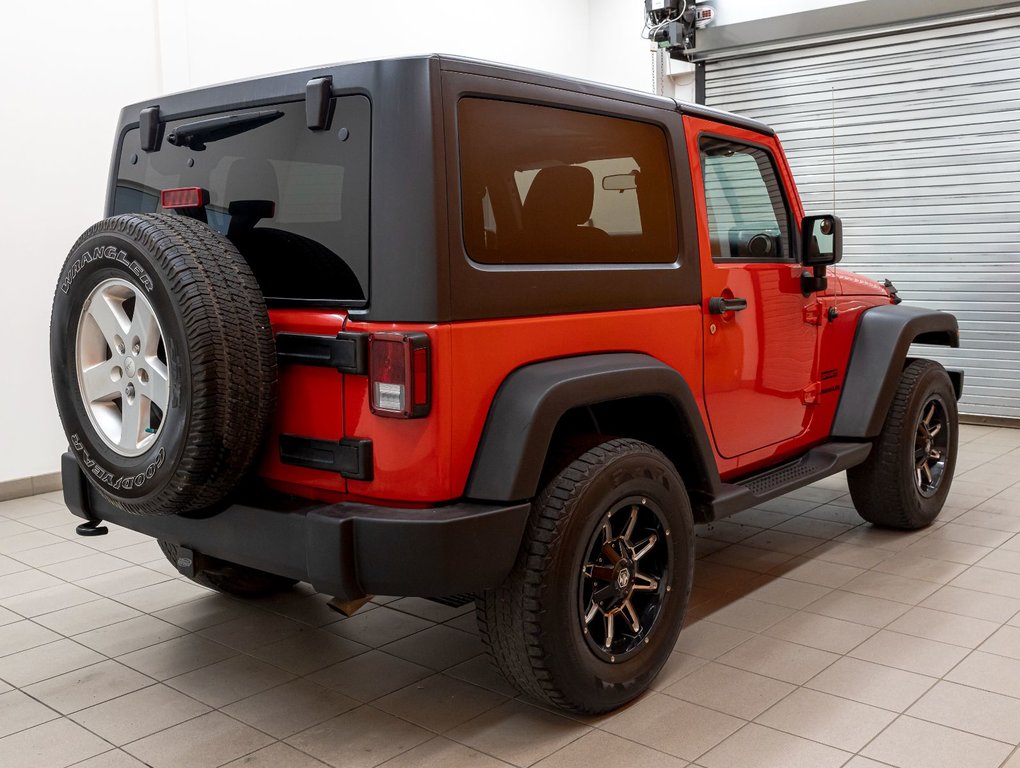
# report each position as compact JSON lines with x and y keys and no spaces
{"x":832,"y":105}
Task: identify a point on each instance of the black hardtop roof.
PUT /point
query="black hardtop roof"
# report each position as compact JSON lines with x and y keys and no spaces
{"x":290,"y":85}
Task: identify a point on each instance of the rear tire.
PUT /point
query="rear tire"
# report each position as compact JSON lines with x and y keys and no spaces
{"x":587,"y":617}
{"x":906,"y":478}
{"x":231,"y":578}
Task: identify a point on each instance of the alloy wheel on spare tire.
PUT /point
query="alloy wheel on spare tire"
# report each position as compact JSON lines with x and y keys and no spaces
{"x":163,"y":362}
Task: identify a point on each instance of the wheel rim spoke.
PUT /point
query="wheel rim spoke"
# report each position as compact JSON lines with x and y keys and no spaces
{"x":607,"y":592}
{"x":642,"y":549}
{"x":108,"y":313}
{"x":643,"y":583}
{"x":145,"y":328}
{"x":158,"y":388}
{"x":134,"y":414}
{"x":600,"y":572}
{"x":632,"y":617}
{"x":629,"y":531}
{"x":98,"y":382}
{"x":592,"y":613}
{"x":610,"y":631}
{"x":610,"y":553}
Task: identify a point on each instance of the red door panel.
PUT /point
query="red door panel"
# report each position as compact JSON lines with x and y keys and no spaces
{"x":760,"y":362}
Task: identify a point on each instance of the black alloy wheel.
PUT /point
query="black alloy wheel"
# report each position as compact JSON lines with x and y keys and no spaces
{"x":624,"y":579}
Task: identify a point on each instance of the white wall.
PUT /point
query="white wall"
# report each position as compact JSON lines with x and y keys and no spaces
{"x":67,"y":67}
{"x":65,"y":72}
{"x":207,"y":42}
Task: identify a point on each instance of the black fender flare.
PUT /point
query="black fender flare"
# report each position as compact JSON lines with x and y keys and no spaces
{"x":532,"y":399}
{"x":879,"y":353}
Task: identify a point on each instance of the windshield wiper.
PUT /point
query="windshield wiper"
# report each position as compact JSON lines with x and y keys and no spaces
{"x":196,"y":135}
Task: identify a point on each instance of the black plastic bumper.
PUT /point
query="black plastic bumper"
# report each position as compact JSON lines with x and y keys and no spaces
{"x":346,"y":550}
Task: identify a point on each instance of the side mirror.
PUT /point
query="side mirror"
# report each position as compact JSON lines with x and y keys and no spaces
{"x":821,"y":245}
{"x":822,"y":240}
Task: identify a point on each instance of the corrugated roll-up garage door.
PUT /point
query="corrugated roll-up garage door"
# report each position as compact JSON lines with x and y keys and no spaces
{"x":913,"y":138}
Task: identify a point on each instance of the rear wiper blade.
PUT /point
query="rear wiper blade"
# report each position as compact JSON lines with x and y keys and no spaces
{"x":199,"y":133}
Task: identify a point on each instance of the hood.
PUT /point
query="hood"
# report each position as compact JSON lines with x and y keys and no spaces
{"x":852,"y":284}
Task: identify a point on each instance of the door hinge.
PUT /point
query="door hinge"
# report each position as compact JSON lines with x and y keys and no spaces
{"x":809,"y":395}
{"x":347,"y":351}
{"x":813,"y":313}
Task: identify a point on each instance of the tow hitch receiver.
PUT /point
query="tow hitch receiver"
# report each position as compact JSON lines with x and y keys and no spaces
{"x":185,"y":561}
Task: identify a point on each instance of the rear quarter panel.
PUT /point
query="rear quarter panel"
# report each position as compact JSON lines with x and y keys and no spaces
{"x":428,"y":460}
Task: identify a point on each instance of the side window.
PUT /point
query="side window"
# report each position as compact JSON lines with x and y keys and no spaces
{"x":542,"y":185}
{"x":747,"y":214}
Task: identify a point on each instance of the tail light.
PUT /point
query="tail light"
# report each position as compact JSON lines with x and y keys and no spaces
{"x":399,"y":374}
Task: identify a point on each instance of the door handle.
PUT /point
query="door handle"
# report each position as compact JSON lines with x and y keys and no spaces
{"x":717,"y":305}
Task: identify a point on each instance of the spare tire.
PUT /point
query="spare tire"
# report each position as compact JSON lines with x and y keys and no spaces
{"x":163,"y":362}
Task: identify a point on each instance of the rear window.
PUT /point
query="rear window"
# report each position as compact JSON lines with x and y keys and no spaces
{"x":294,"y":201}
{"x":542,"y":185}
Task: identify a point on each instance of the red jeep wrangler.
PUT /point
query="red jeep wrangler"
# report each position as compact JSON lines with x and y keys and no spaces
{"x":443,"y":328}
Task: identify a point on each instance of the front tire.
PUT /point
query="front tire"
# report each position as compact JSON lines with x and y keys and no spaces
{"x":593,"y":606}
{"x":905,"y":480}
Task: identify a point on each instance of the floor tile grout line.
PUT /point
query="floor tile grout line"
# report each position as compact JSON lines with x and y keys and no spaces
{"x":59,"y":716}
{"x":905,"y":714}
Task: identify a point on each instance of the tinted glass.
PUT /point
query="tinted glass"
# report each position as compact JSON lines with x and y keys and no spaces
{"x":745,"y":201}
{"x":542,"y":185}
{"x":294,"y":201}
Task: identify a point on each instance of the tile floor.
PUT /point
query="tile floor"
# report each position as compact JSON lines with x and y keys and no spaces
{"x":812,"y":640}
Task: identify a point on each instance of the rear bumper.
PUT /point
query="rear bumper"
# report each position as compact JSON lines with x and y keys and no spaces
{"x":346,"y":550}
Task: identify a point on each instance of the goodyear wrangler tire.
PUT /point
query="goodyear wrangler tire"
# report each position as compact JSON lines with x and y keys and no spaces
{"x":163,"y":362}
{"x":592,"y":609}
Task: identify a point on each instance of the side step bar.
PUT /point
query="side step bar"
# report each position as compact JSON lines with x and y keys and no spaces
{"x":821,"y":461}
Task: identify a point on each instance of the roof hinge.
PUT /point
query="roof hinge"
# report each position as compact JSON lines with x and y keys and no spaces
{"x":319,"y":102}
{"x":149,"y":128}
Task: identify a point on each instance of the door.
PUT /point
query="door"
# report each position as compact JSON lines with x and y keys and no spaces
{"x":758,"y":327}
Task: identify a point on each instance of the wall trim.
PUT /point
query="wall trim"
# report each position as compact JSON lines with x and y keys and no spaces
{"x":29,"y":486}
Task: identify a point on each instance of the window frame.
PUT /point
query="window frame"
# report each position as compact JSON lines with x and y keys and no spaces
{"x":792,"y":225}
